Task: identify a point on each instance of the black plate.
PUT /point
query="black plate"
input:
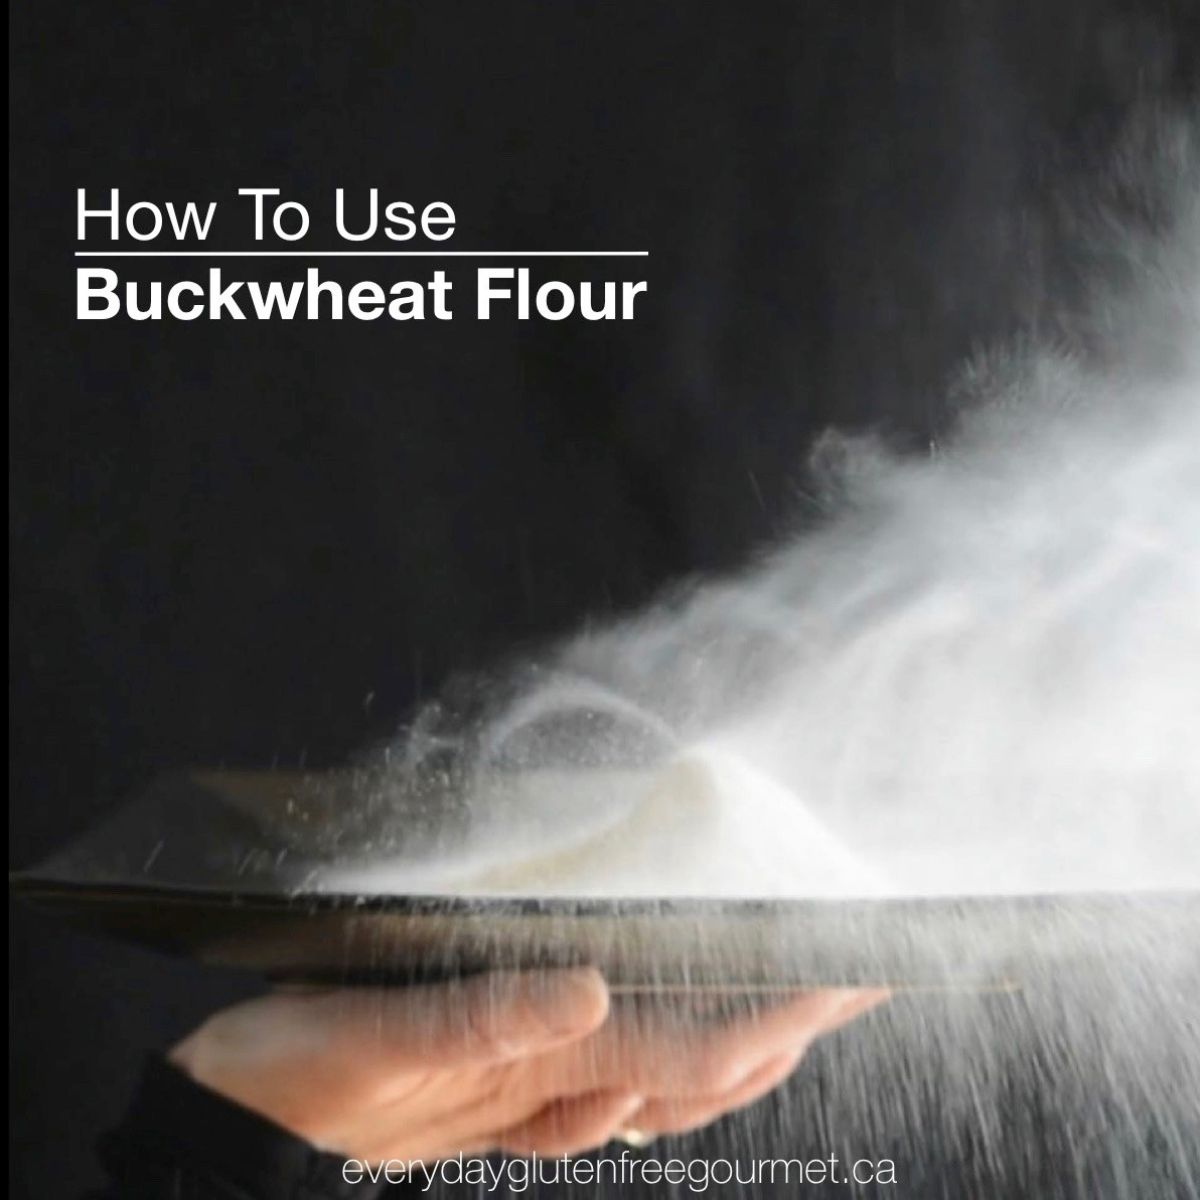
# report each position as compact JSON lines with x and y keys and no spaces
{"x":638,"y":944}
{"x":231,"y":885}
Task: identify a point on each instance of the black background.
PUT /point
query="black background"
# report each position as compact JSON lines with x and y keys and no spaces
{"x":261,"y":543}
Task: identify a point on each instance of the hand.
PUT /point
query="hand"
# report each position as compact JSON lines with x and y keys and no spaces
{"x":539,"y":1062}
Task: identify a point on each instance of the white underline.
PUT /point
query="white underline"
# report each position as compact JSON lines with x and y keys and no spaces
{"x":362,"y":253}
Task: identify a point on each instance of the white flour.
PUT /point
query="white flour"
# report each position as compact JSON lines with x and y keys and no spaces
{"x":981,"y":671}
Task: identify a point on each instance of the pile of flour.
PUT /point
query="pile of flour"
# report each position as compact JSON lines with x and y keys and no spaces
{"x":704,"y":823}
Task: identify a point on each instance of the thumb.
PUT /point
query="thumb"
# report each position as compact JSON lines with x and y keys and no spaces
{"x":485,"y":1019}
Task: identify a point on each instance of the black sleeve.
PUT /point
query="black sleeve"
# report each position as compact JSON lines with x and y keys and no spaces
{"x":181,"y":1141}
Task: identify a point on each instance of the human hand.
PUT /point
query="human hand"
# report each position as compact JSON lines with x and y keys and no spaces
{"x":537,"y":1062}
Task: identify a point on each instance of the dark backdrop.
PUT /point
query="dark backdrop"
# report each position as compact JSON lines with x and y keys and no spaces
{"x":261,"y":543}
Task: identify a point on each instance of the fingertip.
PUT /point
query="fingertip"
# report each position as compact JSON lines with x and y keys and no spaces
{"x":858,"y":1001}
{"x":594,"y":999}
{"x":514,"y":1014}
{"x":574,"y":1001}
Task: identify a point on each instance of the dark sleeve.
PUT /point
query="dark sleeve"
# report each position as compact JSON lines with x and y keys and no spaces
{"x":181,"y":1141}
